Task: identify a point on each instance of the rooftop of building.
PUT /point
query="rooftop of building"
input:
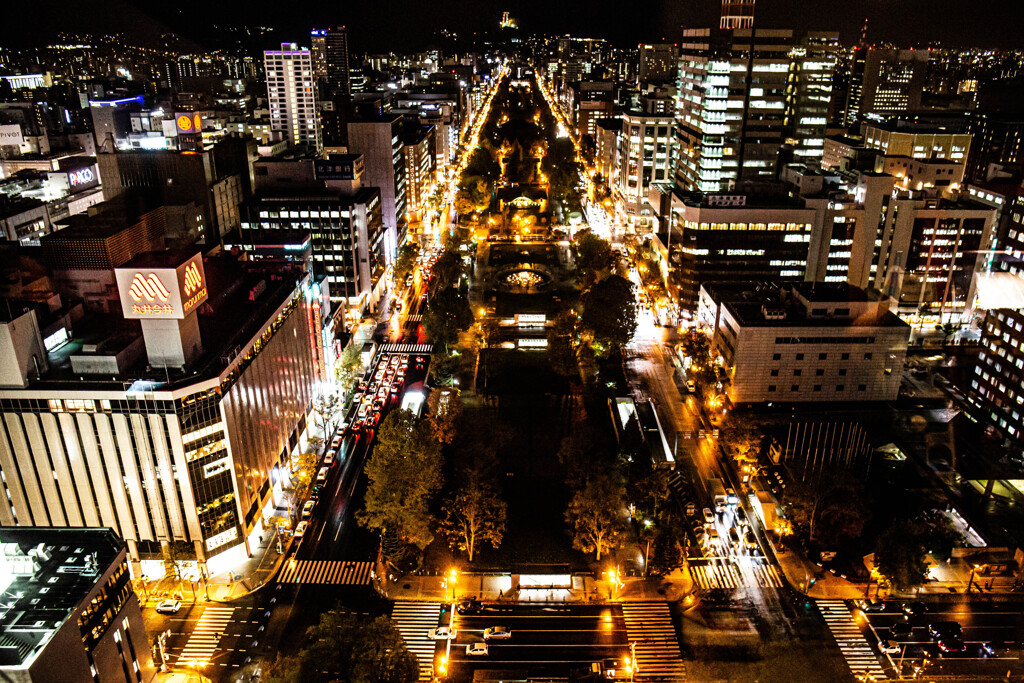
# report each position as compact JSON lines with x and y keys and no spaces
{"x":46,"y":575}
{"x":228,"y":320}
{"x":768,"y":304}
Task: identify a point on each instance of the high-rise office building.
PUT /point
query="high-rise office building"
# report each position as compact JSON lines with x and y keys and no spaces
{"x":748,"y":99}
{"x":337,"y":63}
{"x":318,"y":52}
{"x":291,"y":92}
{"x":737,"y":14}
{"x":884,"y":82}
{"x":658,"y":63}
{"x":645,"y":156}
{"x":379,"y":140}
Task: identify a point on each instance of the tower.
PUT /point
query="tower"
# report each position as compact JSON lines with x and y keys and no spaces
{"x":337,"y":63}
{"x":737,"y":14}
{"x":291,"y":92}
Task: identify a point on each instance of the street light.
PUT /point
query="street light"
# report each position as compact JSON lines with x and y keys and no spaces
{"x":453,"y":578}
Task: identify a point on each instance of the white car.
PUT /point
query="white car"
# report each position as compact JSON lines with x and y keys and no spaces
{"x":889,"y":647}
{"x":300,"y":529}
{"x":307,"y":509}
{"x":321,"y":476}
{"x":497,"y":633}
{"x":442,"y":633}
{"x":329,"y":458}
{"x":479,"y":649}
{"x":168,"y":606}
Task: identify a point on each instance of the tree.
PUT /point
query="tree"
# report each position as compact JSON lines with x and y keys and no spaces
{"x":463,"y":203}
{"x":900,"y":556}
{"x":349,"y":368}
{"x":344,"y":648}
{"x":445,"y":407}
{"x":596,"y":514}
{"x":594,"y":256}
{"x":178,"y":556}
{"x":443,"y":365}
{"x":609,"y":311}
{"x":449,"y":269}
{"x":404,"y":473}
{"x":830,"y":506}
{"x":476,"y":514}
{"x":283,"y":669}
{"x":405,"y":261}
{"x":303,"y":469}
{"x":448,"y":314}
{"x":563,"y":343}
{"x":653,"y":491}
{"x":326,"y":408}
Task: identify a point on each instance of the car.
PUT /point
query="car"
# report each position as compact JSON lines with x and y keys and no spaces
{"x":734,"y":536}
{"x":691,"y":509}
{"x":357,"y":426}
{"x":469,"y":606}
{"x":477,"y":649}
{"x":329,"y":458}
{"x":321,"y":476}
{"x":951,"y":646}
{"x":300,"y":529}
{"x":337,"y":442}
{"x":168,"y":606}
{"x":889,"y":647}
{"x":914,"y":609}
{"x":691,"y":387}
{"x":709,"y":516}
{"x":749,"y":540}
{"x":362,"y":386}
{"x":941,"y":630}
{"x":901,"y":629}
{"x":497,"y":633}
{"x":871,"y":605}
{"x":307,"y":509}
{"x":442,"y":633}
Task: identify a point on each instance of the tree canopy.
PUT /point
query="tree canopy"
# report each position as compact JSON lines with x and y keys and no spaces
{"x":405,"y":261}
{"x":596,"y":513}
{"x":404,"y":472}
{"x":594,"y":256}
{"x":448,"y":314}
{"x":476,"y":513}
{"x":609,"y":311}
{"x":900,"y":555}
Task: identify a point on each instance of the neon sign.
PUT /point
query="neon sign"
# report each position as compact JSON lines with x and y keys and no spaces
{"x":82,"y":176}
{"x":148,"y":288}
{"x":193,"y":280}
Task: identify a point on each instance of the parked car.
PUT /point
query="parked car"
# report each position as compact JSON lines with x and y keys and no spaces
{"x":709,"y":516}
{"x":300,"y":529}
{"x":749,"y":540}
{"x":329,"y":458}
{"x":691,"y":387}
{"x":497,"y":633}
{"x":476,"y":649}
{"x":337,"y":442}
{"x":442,"y":633}
{"x":168,"y":606}
{"x":321,"y":476}
{"x":901,"y":629}
{"x":307,"y":509}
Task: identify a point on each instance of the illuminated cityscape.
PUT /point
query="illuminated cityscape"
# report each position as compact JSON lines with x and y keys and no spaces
{"x":483,"y":343}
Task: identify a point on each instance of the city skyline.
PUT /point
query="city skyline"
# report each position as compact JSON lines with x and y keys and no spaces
{"x":904,"y":24}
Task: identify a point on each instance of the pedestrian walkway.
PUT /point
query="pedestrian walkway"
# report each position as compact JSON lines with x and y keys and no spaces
{"x":649,"y":626}
{"x":202,"y":643}
{"x":855,"y":648}
{"x":415,"y":318}
{"x":327,"y":571}
{"x":406,"y":348}
{"x":711,"y":576}
{"x":413,"y":620}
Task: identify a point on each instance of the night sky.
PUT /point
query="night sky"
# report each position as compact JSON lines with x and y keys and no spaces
{"x":408,"y":24}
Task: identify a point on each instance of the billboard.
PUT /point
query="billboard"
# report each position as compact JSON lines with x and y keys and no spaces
{"x":188,"y":123}
{"x":334,"y":169}
{"x":82,"y":178}
{"x":11,"y":135}
{"x":160,"y":291}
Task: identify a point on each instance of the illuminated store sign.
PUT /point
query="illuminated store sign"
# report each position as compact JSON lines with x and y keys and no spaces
{"x":81,"y":177}
{"x":188,"y":123}
{"x":162,"y":292}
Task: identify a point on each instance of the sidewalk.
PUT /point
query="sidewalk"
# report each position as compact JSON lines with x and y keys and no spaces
{"x":500,"y":588}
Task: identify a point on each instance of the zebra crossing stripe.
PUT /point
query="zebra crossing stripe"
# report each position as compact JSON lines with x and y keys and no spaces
{"x":713,"y":576}
{"x":413,"y":620}
{"x":856,"y":650}
{"x":649,"y":625}
{"x":342,"y":572}
{"x":206,"y":635}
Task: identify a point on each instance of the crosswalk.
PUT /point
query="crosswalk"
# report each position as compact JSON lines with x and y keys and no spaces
{"x":202,"y":642}
{"x":855,"y":648}
{"x":649,"y":626}
{"x":728,"y":575}
{"x":413,"y":620}
{"x":406,"y":348}
{"x":327,"y":571}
